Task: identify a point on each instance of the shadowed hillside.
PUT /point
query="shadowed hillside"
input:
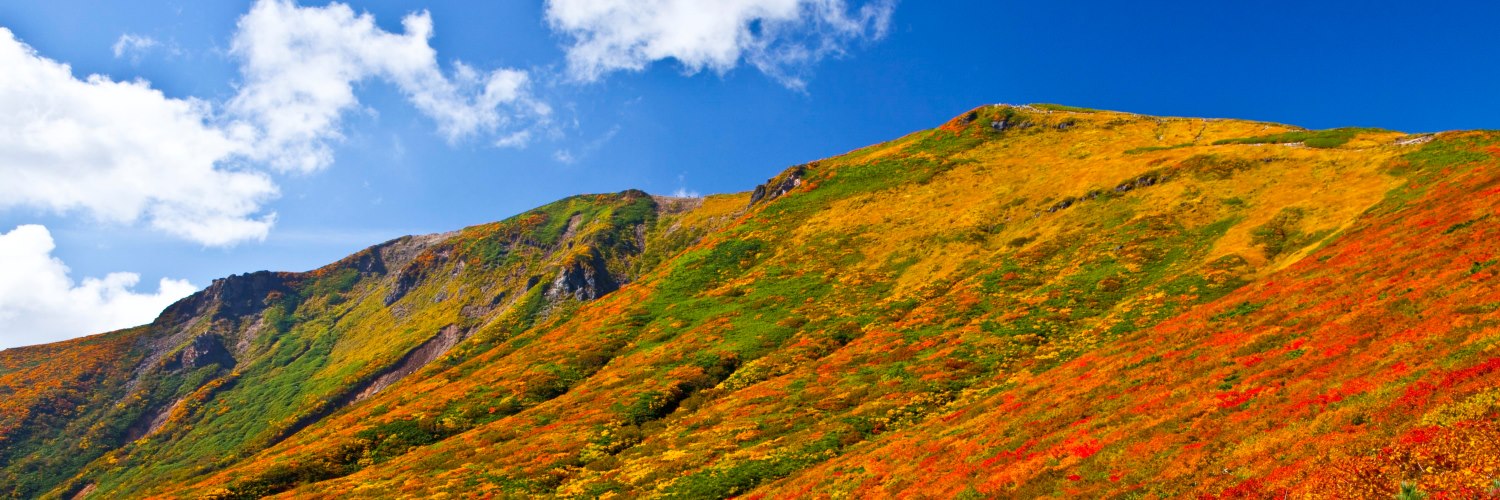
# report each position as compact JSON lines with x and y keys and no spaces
{"x":1028,"y":301}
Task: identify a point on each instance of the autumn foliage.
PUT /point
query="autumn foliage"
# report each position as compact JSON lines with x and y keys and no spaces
{"x":1028,"y":302}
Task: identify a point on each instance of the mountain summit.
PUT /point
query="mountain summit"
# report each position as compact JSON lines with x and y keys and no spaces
{"x":1028,"y":301}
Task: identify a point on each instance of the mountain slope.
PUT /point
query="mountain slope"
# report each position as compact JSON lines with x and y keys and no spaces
{"x":254,"y":358}
{"x":1027,"y":301}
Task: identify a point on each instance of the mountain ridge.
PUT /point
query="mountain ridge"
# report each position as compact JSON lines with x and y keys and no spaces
{"x":784,"y":340}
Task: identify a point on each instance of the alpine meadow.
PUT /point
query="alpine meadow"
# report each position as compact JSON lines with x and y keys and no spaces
{"x":749,"y":249}
{"x":1034,"y":301}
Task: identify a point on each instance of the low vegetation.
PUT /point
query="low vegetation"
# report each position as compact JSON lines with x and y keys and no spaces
{"x":1025,"y":302}
{"x":1330,"y":138}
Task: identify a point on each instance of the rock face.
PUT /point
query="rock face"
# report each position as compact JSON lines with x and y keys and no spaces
{"x":791,"y":180}
{"x":231,"y":298}
{"x":206,"y":320}
{"x":204,"y":350}
{"x":758,"y":194}
{"x":408,"y":278}
{"x":585,"y":278}
{"x":779,"y":185}
{"x":369,"y":260}
{"x":414,"y":272}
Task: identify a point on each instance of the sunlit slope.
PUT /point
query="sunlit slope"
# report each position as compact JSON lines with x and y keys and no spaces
{"x":256,"y":358}
{"x":1028,"y":301}
{"x":44,"y":389}
{"x":1370,"y":363}
{"x":858,"y":301}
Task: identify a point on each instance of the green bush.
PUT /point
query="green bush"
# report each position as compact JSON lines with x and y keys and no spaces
{"x":1281,"y":233}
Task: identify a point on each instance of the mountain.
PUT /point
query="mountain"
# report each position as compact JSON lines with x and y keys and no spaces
{"x":1028,"y":301}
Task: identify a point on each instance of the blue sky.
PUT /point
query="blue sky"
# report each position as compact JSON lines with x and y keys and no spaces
{"x":680,"y":116}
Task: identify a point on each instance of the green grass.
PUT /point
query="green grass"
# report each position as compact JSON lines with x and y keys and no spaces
{"x":1283,"y":233}
{"x":1237,"y":311}
{"x":1149,"y":149}
{"x":1216,"y":167}
{"x":337,"y":282}
{"x":1330,"y":138}
{"x":1060,"y":107}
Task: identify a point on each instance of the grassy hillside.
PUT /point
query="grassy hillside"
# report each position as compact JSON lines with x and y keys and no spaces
{"x":1028,"y":301}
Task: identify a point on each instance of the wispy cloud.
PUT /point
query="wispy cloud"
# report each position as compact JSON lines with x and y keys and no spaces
{"x":133,"y":45}
{"x":517,"y":140}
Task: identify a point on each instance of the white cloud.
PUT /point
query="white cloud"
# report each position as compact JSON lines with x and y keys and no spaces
{"x":133,"y":45}
{"x":300,"y":65}
{"x":782,"y":38}
{"x":121,"y":152}
{"x":39,"y":303}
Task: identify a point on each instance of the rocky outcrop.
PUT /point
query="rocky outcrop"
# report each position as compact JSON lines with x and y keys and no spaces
{"x":584,"y":278}
{"x":204,"y":350}
{"x":413,"y":273}
{"x":1147,"y":179}
{"x":779,"y":185}
{"x":247,"y":295}
{"x":404,"y":283}
{"x":223,"y":312}
{"x":1009,"y":122}
{"x":396,"y":253}
{"x":758,"y":194}
{"x":230,"y":298}
{"x":368,"y":261}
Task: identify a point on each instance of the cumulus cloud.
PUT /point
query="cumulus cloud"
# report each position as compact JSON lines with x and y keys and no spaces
{"x":300,"y":65}
{"x":40,"y":303}
{"x":781,"y":38}
{"x":121,"y":152}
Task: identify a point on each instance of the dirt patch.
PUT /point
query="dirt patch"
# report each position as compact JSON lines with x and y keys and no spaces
{"x":413,"y":361}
